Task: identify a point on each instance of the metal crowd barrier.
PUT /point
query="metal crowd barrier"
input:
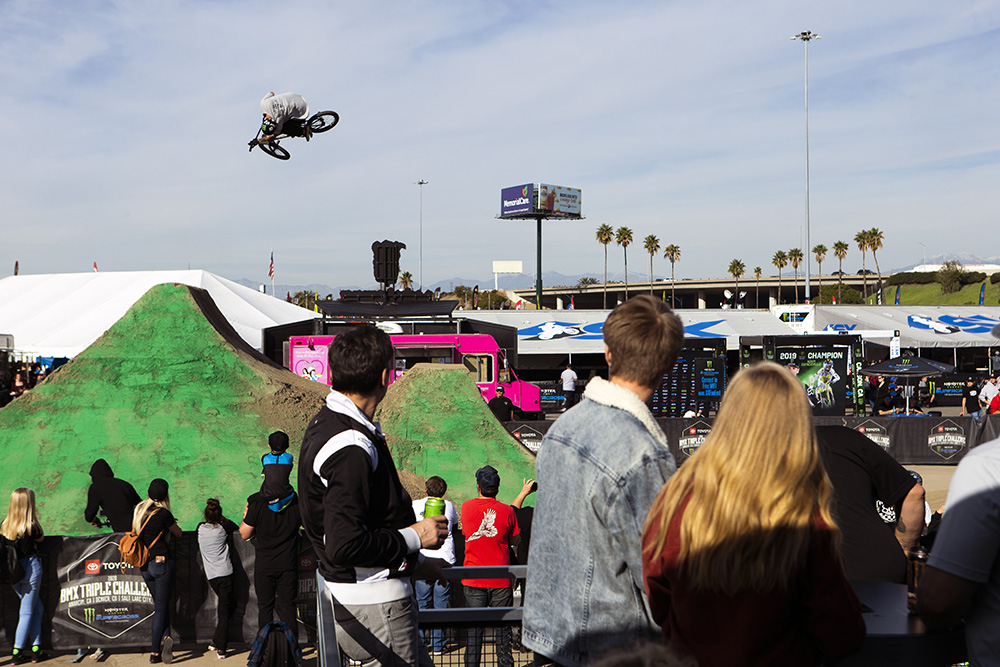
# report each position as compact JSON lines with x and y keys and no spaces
{"x":457,"y":618}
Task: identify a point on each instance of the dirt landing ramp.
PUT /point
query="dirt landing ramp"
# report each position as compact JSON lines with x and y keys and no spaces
{"x":169,"y":391}
{"x":437,"y":423}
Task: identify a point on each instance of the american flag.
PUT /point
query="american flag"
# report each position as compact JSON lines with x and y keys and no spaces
{"x":270,"y":268}
{"x":95,"y":267}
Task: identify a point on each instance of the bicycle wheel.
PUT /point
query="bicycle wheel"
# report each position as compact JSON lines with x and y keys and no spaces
{"x":323,"y":121}
{"x":275,"y":150}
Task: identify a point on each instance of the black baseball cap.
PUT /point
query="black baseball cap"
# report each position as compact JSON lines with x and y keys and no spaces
{"x":158,"y":489}
{"x":488,"y":478}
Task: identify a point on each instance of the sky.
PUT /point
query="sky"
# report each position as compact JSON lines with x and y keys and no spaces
{"x":128,"y":125}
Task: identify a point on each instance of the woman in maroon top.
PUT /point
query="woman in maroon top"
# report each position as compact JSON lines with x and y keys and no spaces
{"x":741,"y":557}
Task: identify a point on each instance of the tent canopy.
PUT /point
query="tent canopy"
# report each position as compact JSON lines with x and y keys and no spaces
{"x":918,"y":326}
{"x":579,"y":331}
{"x":60,"y":315}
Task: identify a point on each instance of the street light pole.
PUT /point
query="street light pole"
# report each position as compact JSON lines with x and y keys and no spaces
{"x":421,"y":183}
{"x":806,"y":36}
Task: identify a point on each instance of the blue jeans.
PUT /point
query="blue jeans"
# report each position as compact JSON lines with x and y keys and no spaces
{"x":159,"y":578}
{"x":433,"y":596}
{"x":29,"y":624}
{"x":489,"y":597}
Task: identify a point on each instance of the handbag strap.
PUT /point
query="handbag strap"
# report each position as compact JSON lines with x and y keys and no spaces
{"x":143,"y":527}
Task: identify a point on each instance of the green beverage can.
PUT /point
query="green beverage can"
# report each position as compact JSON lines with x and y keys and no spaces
{"x":434,"y":507}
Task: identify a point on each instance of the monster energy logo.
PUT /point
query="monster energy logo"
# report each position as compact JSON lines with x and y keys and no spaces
{"x":89,"y":614}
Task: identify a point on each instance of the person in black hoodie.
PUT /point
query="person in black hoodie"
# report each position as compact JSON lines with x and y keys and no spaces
{"x":272,"y":517}
{"x":115,"y":496}
{"x":358,"y":515}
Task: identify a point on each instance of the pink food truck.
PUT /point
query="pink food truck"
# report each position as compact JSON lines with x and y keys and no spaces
{"x":307,"y":356}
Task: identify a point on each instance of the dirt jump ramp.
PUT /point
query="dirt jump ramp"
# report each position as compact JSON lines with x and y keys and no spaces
{"x":172,"y":391}
{"x":169,"y":391}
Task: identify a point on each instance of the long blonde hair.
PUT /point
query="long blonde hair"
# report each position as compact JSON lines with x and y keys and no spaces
{"x":22,"y":516}
{"x":147,"y":506}
{"x":753,"y":485}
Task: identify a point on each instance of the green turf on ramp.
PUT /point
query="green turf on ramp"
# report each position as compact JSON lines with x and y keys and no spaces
{"x":163,"y":393}
{"x":436,"y":423}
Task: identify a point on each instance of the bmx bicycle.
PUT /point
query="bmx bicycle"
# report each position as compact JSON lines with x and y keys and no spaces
{"x":319,"y":122}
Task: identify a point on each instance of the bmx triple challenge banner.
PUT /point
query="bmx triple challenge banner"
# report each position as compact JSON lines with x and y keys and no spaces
{"x":823,"y":374}
{"x":99,"y":597}
{"x":91,"y":600}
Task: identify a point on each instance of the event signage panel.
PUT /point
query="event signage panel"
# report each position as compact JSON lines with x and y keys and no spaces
{"x":692,"y":437}
{"x":946,"y":439}
{"x":517,"y":199}
{"x":92,"y":600}
{"x":823,"y":372}
{"x":875,"y":432}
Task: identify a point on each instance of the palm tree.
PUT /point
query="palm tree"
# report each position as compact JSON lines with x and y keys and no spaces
{"x":305,"y":299}
{"x":861,"y":238}
{"x":605,"y":235}
{"x":406,"y":278}
{"x":795,"y":259}
{"x":820,"y":252}
{"x":673,"y":253}
{"x":875,"y":238}
{"x":780,"y":260}
{"x":736,"y":270}
{"x":757,"y":272}
{"x":840,"y":249}
{"x":623,"y":237}
{"x":652,"y":246}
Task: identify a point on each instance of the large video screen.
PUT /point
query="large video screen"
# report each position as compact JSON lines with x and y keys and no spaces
{"x":697,"y":382}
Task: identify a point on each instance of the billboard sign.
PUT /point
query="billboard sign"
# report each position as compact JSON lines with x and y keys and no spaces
{"x":517,"y":199}
{"x":508,"y":266}
{"x":557,"y":199}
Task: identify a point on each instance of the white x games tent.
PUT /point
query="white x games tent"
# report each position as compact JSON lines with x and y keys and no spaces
{"x":60,"y":315}
{"x":918,"y":326}
{"x":579,"y":331}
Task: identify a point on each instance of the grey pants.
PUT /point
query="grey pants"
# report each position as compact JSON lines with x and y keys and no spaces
{"x":386,"y":633}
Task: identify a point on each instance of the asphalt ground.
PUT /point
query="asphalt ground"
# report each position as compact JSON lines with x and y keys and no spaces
{"x":189,"y":655}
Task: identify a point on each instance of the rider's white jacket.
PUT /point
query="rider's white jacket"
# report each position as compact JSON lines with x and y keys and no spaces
{"x":284,"y":106}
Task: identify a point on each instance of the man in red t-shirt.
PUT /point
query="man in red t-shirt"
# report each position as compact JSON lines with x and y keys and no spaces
{"x":490,"y":530}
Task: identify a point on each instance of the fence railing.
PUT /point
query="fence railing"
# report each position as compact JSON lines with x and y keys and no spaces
{"x":453,"y":618}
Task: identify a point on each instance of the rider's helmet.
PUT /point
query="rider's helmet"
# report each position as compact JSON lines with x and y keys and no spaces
{"x":828,"y":364}
{"x":268,"y":126}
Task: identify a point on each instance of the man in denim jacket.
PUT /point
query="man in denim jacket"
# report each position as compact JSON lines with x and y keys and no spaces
{"x":600,"y":467}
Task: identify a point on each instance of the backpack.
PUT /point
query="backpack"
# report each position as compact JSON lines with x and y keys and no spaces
{"x":133,"y":551}
{"x":274,"y":646}
{"x":11,"y":571}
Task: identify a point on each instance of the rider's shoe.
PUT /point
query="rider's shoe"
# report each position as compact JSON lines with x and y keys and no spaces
{"x":308,"y":132}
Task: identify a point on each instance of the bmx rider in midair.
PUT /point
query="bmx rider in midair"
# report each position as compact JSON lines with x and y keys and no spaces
{"x":285,"y":113}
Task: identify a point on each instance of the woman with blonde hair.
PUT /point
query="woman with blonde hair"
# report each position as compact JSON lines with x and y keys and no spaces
{"x":741,"y":556}
{"x":21,"y":528}
{"x":153,"y":522}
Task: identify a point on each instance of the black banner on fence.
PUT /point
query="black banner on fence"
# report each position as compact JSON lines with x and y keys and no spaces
{"x":89,"y":599}
{"x":917,"y":440}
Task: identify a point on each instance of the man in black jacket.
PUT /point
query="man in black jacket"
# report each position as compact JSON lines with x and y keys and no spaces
{"x":358,"y":515}
{"x":115,"y":496}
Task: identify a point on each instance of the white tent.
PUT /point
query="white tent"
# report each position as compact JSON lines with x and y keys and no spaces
{"x":579,"y":331}
{"x":60,"y":315}
{"x":918,"y":326}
